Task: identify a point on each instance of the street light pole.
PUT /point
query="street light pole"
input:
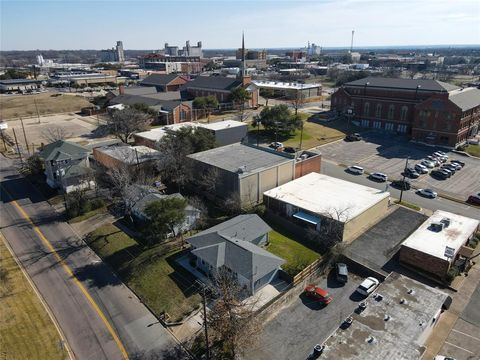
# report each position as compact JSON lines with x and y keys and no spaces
{"x":403,"y":180}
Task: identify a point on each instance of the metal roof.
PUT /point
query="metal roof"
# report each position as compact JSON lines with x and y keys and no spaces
{"x":214,"y":82}
{"x":406,"y":84}
{"x":63,"y":150}
{"x":465,"y":99}
{"x":159,"y":79}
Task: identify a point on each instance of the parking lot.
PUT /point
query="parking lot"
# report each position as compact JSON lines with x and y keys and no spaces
{"x":303,"y":323}
{"x":380,"y":152}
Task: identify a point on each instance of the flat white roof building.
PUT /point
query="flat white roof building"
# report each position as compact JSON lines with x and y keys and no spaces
{"x":434,"y":243}
{"x":285,"y":85}
{"x":434,"y":247}
{"x":315,"y":196}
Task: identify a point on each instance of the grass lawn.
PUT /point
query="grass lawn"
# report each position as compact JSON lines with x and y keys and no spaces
{"x":473,"y":150}
{"x":408,"y":205}
{"x":149,"y":271}
{"x":24,"y":105}
{"x":26,"y":330}
{"x":296,"y":255}
{"x":88,"y":215}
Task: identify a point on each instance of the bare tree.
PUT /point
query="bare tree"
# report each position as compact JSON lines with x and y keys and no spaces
{"x":202,"y":221}
{"x":232,"y":204}
{"x":208,"y":180}
{"x":55,"y":133}
{"x":124,"y":123}
{"x":298,"y":100}
{"x":232,"y":324}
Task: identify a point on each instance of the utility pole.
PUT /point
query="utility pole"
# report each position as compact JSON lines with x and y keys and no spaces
{"x":403,"y":180}
{"x":3,"y":139}
{"x":301,"y":136}
{"x":18,"y":148}
{"x":25,"y":136}
{"x":36,"y":108}
{"x":204,"y":301}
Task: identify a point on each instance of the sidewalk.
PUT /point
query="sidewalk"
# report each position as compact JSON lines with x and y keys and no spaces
{"x":449,"y":318}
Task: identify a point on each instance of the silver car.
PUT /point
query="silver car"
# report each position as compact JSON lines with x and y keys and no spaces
{"x":422,"y":169}
{"x":379,"y":176}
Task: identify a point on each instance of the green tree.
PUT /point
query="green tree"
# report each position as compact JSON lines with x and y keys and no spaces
{"x":278,"y":118}
{"x":207,"y":104}
{"x":175,"y":146}
{"x":267,"y":94}
{"x":14,"y":74}
{"x":164,"y":217}
{"x":239,"y":96}
{"x":144,"y":108}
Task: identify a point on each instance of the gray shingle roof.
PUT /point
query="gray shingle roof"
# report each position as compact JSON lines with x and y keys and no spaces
{"x":75,"y":171}
{"x":408,"y":84}
{"x":241,"y":256}
{"x":214,"y":82}
{"x":465,"y":99}
{"x":63,"y":150}
{"x":158,"y":79}
{"x":232,"y":157}
{"x":137,"y":90}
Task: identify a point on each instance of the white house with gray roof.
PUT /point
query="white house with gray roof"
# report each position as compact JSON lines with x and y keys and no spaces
{"x":234,"y":245}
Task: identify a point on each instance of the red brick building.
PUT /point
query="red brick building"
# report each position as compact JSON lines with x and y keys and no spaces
{"x":164,"y":82}
{"x":429,"y":111}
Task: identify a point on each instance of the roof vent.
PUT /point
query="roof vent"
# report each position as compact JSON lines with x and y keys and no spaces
{"x":411,"y":291}
{"x":378,"y":297}
{"x":242,"y":169}
{"x":371,"y":339}
{"x":445,"y":222}
{"x":386,"y":318}
{"x":437,"y":226}
{"x":403,"y":301}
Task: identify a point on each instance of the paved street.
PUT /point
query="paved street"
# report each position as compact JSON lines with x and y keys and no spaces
{"x":332,"y":169}
{"x":100,"y":317}
{"x":304,"y":323}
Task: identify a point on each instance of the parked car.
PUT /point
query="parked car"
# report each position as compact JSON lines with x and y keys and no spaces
{"x":355,"y":169}
{"x":368,"y":286}
{"x":341,"y":272}
{"x":379,"y":176}
{"x":428,"y":163}
{"x":459,"y":162}
{"x":421,"y":169}
{"x":455,"y":165}
{"x":353,"y":137}
{"x":410,"y":172}
{"x":289,"y":149}
{"x":402,"y":184}
{"x":434,"y":160}
{"x":318,"y":294}
{"x":427,"y":193}
{"x":447,"y":172}
{"x":449,"y":169}
{"x":441,"y":357}
{"x":474,"y":199}
{"x":276,"y":145}
{"x":439,"y":174}
{"x":440,"y":154}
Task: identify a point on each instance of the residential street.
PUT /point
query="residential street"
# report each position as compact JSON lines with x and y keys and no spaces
{"x":100,"y":317}
{"x":332,"y":169}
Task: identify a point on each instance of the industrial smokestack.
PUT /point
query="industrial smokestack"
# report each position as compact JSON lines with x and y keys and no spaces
{"x":351,"y":43}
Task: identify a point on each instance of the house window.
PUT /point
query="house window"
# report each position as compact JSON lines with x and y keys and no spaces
{"x":389,"y":126}
{"x":378,"y":111}
{"x":377,"y":124}
{"x":403,"y":114}
{"x":365,"y":123}
{"x":183,"y":115}
{"x":402,"y":128}
{"x":366,"y":109}
{"x":391,"y":111}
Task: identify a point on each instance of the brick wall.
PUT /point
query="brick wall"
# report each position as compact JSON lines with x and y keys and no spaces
{"x":304,"y":167}
{"x":424,"y":262}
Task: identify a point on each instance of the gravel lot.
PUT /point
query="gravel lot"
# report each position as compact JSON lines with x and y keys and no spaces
{"x":387,"y":153}
{"x":298,"y":327}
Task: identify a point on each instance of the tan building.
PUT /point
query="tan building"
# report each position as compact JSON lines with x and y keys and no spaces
{"x":248,"y":171}
{"x":439,"y":244}
{"x":131,"y":157}
{"x":316,"y":201}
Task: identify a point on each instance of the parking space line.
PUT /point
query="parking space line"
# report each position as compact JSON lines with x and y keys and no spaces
{"x":458,"y":347}
{"x":473,"y":337}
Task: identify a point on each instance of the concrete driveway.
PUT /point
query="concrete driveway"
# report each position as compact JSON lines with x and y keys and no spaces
{"x":387,"y":153}
{"x":293,"y":332}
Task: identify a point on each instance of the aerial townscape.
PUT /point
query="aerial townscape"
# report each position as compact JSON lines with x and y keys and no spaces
{"x":252,"y":180}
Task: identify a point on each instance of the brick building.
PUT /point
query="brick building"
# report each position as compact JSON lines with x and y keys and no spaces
{"x":429,"y":111}
{"x":164,"y":82}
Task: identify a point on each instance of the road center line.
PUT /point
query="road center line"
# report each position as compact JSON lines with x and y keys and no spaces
{"x":77,"y":282}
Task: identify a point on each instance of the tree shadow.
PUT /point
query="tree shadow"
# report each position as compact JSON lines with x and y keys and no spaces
{"x":332,"y":281}
{"x":186,"y":281}
{"x":97,"y":275}
{"x":171,"y":353}
{"x":357,"y":297}
{"x":19,"y":188}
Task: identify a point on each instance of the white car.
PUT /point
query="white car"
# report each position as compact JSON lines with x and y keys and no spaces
{"x":441,"y":357}
{"x":422,"y":169}
{"x":441,"y":154}
{"x":428,"y":163}
{"x":367,"y":286}
{"x":379,"y":176}
{"x":355,"y":169}
{"x":427,"y":193}
{"x":434,"y":160}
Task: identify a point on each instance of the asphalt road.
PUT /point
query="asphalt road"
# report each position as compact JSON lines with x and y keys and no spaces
{"x":100,"y":317}
{"x":332,"y":169}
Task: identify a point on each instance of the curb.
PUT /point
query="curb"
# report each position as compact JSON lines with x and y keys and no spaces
{"x":65,"y":343}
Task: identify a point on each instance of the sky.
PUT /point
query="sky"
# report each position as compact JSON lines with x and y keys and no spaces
{"x":85,"y":24}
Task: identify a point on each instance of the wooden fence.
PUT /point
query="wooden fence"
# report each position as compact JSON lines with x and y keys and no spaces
{"x":309,"y":270}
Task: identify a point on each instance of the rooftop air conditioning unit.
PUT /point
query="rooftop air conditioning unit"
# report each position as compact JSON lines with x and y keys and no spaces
{"x":437,"y":226}
{"x":445,"y":222}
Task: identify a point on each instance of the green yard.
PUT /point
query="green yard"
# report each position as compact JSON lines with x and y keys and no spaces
{"x":473,"y":150}
{"x":88,"y":215}
{"x":296,"y":255}
{"x":149,"y":271}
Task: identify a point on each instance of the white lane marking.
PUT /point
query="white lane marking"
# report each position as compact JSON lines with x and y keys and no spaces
{"x":458,"y":347}
{"x":473,"y":337}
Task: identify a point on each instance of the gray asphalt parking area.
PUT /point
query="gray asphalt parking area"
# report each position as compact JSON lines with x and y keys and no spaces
{"x":387,"y":153}
{"x":298,"y":327}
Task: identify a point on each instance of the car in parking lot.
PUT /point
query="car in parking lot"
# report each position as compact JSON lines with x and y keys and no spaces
{"x":455,"y":165}
{"x":355,"y":169}
{"x":379,"y":176}
{"x":421,"y":169}
{"x":448,"y":168}
{"x":440,"y":154}
{"x":440,"y":174}
{"x":289,"y":149}
{"x":353,"y":137}
{"x":474,"y":199}
{"x":410,"y":172}
{"x":428,"y":163}
{"x":276,"y":145}
{"x":402,"y":184}
{"x":341,"y":271}
{"x":427,"y":193}
{"x":318,"y":294}
{"x":368,"y":286}
{"x":434,"y":160}
{"x":459,"y":162}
